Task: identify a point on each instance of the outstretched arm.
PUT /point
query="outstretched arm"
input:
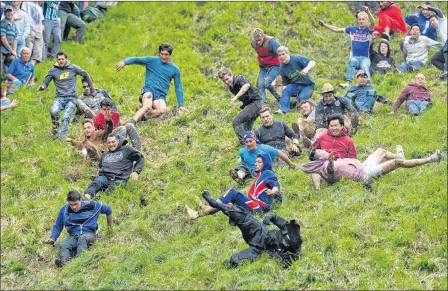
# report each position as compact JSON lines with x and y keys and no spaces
{"x":331,"y":27}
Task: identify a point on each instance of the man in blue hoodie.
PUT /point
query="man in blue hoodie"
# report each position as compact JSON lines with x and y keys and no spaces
{"x":116,"y":166}
{"x":422,"y":18}
{"x":80,"y":218}
{"x":260,"y":196}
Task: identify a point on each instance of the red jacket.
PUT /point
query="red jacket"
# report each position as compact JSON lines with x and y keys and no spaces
{"x":412,"y":92}
{"x":394,"y":12}
{"x":100,"y":123}
{"x":342,"y":146}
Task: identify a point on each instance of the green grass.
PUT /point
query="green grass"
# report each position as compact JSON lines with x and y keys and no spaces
{"x":393,"y":237}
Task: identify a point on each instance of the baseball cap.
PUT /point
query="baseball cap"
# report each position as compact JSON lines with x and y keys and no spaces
{"x":361,"y":73}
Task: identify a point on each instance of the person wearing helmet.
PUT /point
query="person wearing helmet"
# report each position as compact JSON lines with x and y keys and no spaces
{"x":283,"y":243}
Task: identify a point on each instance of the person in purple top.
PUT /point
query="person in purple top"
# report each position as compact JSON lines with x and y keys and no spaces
{"x":360,"y":37}
{"x":159,"y":72}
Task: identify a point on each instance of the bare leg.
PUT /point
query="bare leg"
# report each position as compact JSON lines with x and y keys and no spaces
{"x":391,"y":165}
{"x":316,"y":180}
{"x":146,"y":105}
{"x":159,"y":106}
{"x":379,"y":155}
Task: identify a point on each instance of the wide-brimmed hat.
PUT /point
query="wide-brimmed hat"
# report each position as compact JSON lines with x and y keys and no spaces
{"x":327,"y":88}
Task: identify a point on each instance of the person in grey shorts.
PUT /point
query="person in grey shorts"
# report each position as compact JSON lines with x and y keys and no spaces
{"x":381,"y":162}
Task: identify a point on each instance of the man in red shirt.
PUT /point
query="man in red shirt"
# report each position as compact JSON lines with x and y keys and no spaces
{"x":390,"y":19}
{"x":109,"y":120}
{"x":336,"y":139}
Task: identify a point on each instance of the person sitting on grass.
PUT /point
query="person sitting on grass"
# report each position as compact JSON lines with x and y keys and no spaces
{"x":21,"y":71}
{"x":305,"y":126}
{"x":390,"y":20}
{"x":6,"y":103}
{"x":93,"y":144}
{"x":80,"y":218}
{"x":116,"y":166}
{"x":248,"y":155}
{"x":260,"y":195}
{"x":381,"y":61}
{"x":284,"y":243}
{"x":416,"y":95}
{"x":381,"y":162}
{"x":108,"y":120}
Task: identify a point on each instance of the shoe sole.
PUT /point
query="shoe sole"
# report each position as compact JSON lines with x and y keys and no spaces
{"x":234,"y":175}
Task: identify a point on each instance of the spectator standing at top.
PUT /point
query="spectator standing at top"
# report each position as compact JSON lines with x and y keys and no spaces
{"x":35,"y":40}
{"x":266,"y":47}
{"x":52,"y":27}
{"x":8,"y":39}
{"x":360,"y":38}
{"x":22,"y":25}
{"x":70,"y":17}
{"x":159,"y":73}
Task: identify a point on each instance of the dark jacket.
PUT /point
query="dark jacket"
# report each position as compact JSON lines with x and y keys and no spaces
{"x":379,"y":63}
{"x":251,"y":94}
{"x":275,"y":134}
{"x":340,"y":105}
{"x":119,"y":164}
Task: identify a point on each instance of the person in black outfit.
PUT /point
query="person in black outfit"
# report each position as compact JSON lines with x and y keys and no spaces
{"x":246,"y":93}
{"x":284,"y":243}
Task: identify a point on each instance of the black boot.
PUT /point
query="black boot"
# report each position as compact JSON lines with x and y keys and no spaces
{"x":213,"y":202}
{"x":55,"y":129}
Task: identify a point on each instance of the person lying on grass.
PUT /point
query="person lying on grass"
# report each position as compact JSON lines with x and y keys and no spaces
{"x":80,"y":218}
{"x":260,"y":196}
{"x":284,"y":243}
{"x":381,"y":162}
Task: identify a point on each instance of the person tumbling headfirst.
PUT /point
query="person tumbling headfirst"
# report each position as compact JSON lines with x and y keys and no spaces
{"x":266,"y":47}
{"x":159,"y":73}
{"x":381,"y":162}
{"x":260,"y":196}
{"x":284,"y":243}
{"x":248,"y":95}
{"x":80,"y":218}
{"x":64,"y":75}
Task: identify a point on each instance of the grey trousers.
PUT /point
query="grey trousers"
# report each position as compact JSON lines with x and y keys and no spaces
{"x":52,"y":27}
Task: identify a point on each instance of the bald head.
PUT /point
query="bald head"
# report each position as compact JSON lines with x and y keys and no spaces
{"x":420,"y":79}
{"x":25,"y":53}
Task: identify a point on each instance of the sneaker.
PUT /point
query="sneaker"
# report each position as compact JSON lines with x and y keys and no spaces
{"x":435,"y":157}
{"x":280,"y":112}
{"x":234,"y":175}
{"x":443,"y":76}
{"x":199,"y":202}
{"x":191,"y":213}
{"x":54,"y":131}
{"x":295,"y":128}
{"x":412,"y":69}
{"x":400,"y":152}
{"x":344,"y":85}
{"x":385,"y":36}
{"x":306,"y":142}
{"x":58,"y":263}
{"x":87,"y":197}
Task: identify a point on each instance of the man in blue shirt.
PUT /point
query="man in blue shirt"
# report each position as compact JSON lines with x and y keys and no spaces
{"x":159,"y":72}
{"x":249,"y":154}
{"x":21,"y":71}
{"x":294,"y":71}
{"x":80,"y":218}
{"x":360,"y":38}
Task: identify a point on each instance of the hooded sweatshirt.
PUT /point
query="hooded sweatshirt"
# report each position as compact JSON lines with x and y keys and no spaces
{"x":342,"y":146}
{"x":264,"y":180}
{"x":65,"y":80}
{"x":412,"y":92}
{"x":83,"y":221}
{"x":380,"y":63}
{"x":119,"y":164}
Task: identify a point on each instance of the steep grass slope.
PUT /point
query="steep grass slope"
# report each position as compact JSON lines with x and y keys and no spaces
{"x":393,"y":237}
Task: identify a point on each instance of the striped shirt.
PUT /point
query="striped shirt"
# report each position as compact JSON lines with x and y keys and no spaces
{"x":50,"y":9}
{"x":10,"y":32}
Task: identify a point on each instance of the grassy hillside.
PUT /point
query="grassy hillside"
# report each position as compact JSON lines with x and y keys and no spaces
{"x":392,"y":237}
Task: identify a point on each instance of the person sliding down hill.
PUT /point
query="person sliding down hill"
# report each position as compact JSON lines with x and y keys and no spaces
{"x":159,"y":72}
{"x":260,"y":196}
{"x":284,"y":243}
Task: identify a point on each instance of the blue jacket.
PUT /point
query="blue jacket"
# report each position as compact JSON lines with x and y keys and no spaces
{"x":83,"y":221}
{"x":20,"y":70}
{"x":362,"y":97}
{"x":426,"y":28}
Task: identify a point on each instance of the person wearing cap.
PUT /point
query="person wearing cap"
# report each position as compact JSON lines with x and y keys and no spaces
{"x":283,"y":243}
{"x":381,"y":61}
{"x":8,"y":39}
{"x":295,"y":76}
{"x":274,"y":133}
{"x":416,"y":95}
{"x":415,"y":50}
{"x":361,"y":37}
{"x":260,"y":196}
{"x":21,"y":71}
{"x":159,"y":73}
{"x":440,"y":59}
{"x":249,"y":153}
{"x":305,"y":126}
{"x":336,"y":139}
{"x":331,"y":104}
{"x":421,"y":18}
{"x":243,"y":91}
{"x":363,"y":96}
{"x":390,"y":20}
{"x":379,"y":163}
{"x":266,"y":47}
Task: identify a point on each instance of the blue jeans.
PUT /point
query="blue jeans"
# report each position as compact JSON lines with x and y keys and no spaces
{"x":354,"y":63}
{"x":102,"y":183}
{"x":235,"y":197}
{"x":78,"y":242}
{"x":404,"y":67}
{"x":16,"y":84}
{"x":265,"y":78}
{"x":416,"y":107}
{"x":20,"y":45}
{"x":302,"y":92}
{"x":68,"y":104}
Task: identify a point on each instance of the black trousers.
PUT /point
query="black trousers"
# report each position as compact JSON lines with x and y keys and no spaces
{"x":439,"y":59}
{"x":245,"y":119}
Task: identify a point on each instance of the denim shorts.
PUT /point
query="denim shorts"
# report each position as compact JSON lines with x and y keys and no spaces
{"x":155,"y":95}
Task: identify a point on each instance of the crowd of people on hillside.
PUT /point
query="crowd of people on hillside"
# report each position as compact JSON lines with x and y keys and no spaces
{"x":324,"y":129}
